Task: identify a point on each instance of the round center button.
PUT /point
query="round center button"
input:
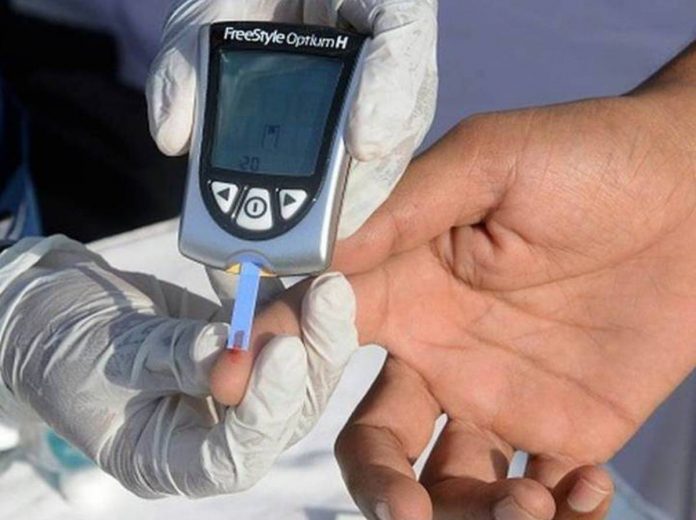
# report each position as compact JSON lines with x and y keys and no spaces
{"x":255,"y":207}
{"x":256,"y":214}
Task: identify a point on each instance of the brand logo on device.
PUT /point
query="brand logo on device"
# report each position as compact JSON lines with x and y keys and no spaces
{"x":278,"y":37}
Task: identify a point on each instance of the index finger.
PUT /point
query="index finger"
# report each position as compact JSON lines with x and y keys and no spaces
{"x":381,"y":441}
{"x":451,"y":184}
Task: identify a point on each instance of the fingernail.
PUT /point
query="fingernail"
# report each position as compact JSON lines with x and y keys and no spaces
{"x":586,"y":497}
{"x":508,"y":509}
{"x":382,"y":511}
{"x":213,"y":336}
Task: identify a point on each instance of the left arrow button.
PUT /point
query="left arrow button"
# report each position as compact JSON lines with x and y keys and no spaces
{"x":224,"y":193}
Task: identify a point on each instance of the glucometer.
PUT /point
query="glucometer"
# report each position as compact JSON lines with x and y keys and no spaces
{"x":268,"y":160}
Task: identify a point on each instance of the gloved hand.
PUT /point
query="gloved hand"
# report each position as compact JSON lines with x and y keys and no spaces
{"x":118,"y":364}
{"x":395,"y":102}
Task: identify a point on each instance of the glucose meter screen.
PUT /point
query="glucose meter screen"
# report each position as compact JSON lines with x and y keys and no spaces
{"x":272,"y":111}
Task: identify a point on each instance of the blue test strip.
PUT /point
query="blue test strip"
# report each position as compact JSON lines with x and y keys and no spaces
{"x":244,"y":306}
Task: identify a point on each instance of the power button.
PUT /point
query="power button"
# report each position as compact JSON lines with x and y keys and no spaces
{"x":255,"y":213}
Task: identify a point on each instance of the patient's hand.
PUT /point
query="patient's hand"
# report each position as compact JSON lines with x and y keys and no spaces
{"x":534,"y":278}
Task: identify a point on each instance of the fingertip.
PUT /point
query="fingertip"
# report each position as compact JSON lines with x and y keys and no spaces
{"x":403,"y":499}
{"x":378,"y":473}
{"x":263,"y":422}
{"x":530,"y":498}
{"x":172,"y":131}
{"x":592,"y":487}
{"x":230,"y":376}
{"x":170,"y":93}
{"x":390,"y":495}
{"x":283,"y":360}
{"x":170,"y":142}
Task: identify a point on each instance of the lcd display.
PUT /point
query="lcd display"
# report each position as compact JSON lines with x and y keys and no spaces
{"x":272,"y":111}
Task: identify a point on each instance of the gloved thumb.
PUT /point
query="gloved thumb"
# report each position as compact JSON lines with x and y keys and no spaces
{"x":171,"y":86}
{"x":170,"y":98}
{"x":259,"y":428}
{"x":399,"y":56}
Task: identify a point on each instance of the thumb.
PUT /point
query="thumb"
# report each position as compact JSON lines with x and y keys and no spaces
{"x":171,"y":86}
{"x":457,"y":182}
{"x":170,"y":92}
{"x":585,"y":493}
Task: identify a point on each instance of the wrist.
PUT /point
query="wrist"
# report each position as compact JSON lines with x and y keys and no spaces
{"x":670,"y":94}
{"x":679,"y":71}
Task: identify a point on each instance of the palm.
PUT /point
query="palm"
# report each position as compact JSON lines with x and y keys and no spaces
{"x":554,"y":311}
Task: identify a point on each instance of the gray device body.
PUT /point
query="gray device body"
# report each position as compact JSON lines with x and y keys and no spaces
{"x":305,"y":246}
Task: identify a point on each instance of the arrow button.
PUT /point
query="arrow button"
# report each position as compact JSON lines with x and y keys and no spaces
{"x":291,"y":201}
{"x":224,"y":194}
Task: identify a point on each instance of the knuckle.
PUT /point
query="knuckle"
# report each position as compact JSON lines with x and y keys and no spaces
{"x":348,"y":438}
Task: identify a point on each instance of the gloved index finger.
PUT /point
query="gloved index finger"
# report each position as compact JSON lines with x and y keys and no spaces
{"x":205,"y":458}
{"x":231,"y":372}
{"x":399,"y":57}
{"x":330,"y":336}
{"x":258,"y":430}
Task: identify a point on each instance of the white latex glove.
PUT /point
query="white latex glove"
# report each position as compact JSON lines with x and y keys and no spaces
{"x":395,"y":102}
{"x":118,"y":364}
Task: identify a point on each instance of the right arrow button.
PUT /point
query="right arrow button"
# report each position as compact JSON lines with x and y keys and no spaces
{"x":291,"y":201}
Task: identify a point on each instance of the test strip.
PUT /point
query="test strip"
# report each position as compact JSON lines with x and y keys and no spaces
{"x":244,"y":306}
